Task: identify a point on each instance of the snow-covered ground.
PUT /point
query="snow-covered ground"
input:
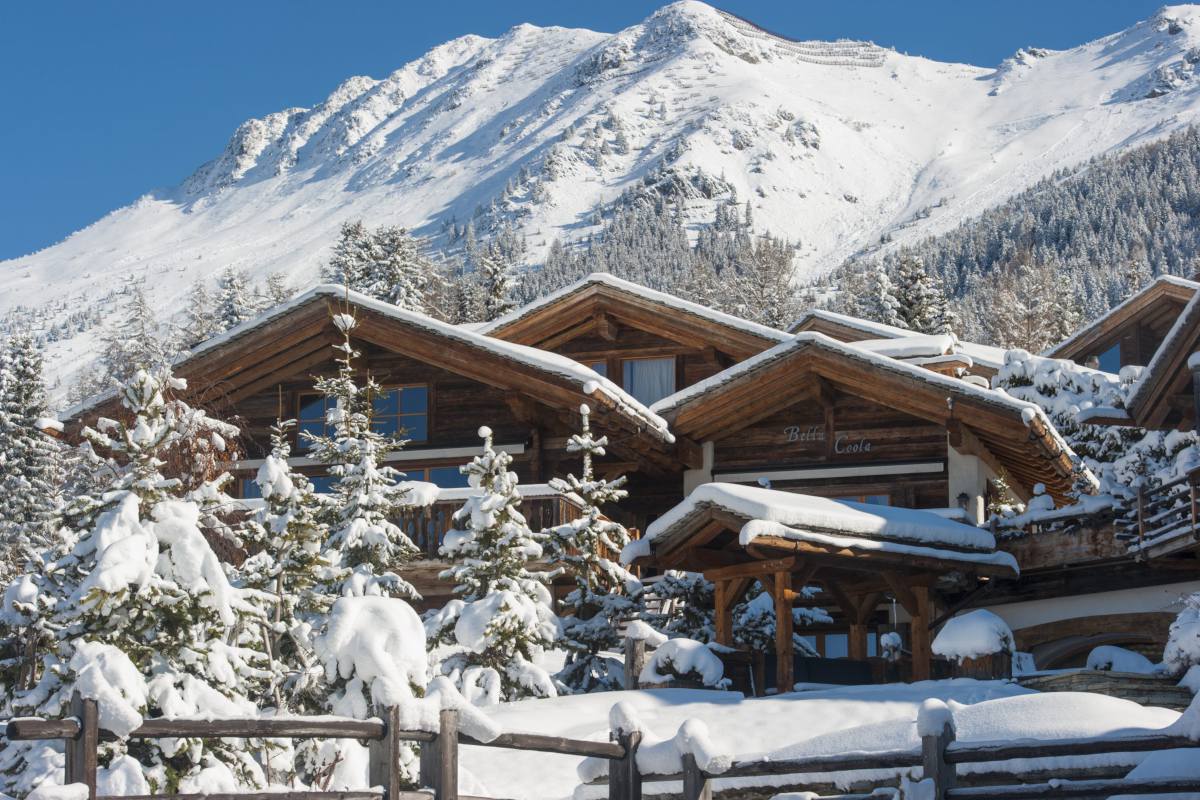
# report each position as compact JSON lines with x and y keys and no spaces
{"x":834,"y":144}
{"x":829,"y":720}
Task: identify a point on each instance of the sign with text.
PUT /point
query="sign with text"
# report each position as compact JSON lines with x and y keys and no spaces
{"x":843,"y":443}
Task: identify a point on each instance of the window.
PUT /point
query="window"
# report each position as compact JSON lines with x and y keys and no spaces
{"x":869,"y":499}
{"x":1110,"y":359}
{"x":837,"y":645}
{"x":311,"y":417}
{"x":446,"y":477}
{"x":648,"y":379}
{"x":322,"y":484}
{"x":402,"y":411}
{"x":249,"y":489}
{"x":599,"y":367}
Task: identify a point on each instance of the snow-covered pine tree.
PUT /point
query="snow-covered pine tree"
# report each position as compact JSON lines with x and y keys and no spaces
{"x":400,"y":271}
{"x":200,"y":316}
{"x":605,"y":592}
{"x":1032,"y":308}
{"x":352,"y":256}
{"x":277,"y":290}
{"x":923,"y":306}
{"x":882,"y":303}
{"x":764,"y":290}
{"x":496,"y":281}
{"x":137,"y":340}
{"x":235,"y":302}
{"x":679,"y":605}
{"x":291,"y":567}
{"x":140,"y":614}
{"x":502,"y":618}
{"x":31,"y":486}
{"x":364,"y":544}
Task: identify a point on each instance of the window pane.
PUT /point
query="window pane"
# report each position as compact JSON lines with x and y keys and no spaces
{"x":386,"y":403}
{"x":389,"y":426}
{"x":312,"y":407}
{"x":448,"y":477}
{"x":877,"y":500}
{"x":812,"y":642}
{"x":415,"y":427}
{"x":872,"y":648}
{"x":649,"y":379}
{"x":837,"y":645}
{"x":250,"y":489}
{"x":414,"y":400}
{"x":1110,"y":359}
{"x":322,"y":484}
{"x":599,"y":367}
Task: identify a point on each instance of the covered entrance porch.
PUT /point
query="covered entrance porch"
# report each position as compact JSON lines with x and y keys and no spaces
{"x":813,"y":551}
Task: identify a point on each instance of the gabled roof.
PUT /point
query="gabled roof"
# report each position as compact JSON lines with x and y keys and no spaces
{"x":1152,"y":401}
{"x":297,"y":335}
{"x":1016,"y":433}
{"x":845,"y":328}
{"x":1157,"y":303}
{"x":578,"y":308}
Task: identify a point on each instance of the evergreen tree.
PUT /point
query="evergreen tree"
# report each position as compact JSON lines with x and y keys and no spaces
{"x":364,"y":544}
{"x":1033,"y":308}
{"x":201,"y":321}
{"x":277,"y":291}
{"x":139,"y":613}
{"x":502,"y":618}
{"x":31,"y":460}
{"x":235,"y":302}
{"x":352,"y":256}
{"x":679,"y":605}
{"x":400,"y":271}
{"x":496,"y":282}
{"x":605,"y":592}
{"x":290,"y":567}
{"x":138,"y":341}
{"x":763,"y":288}
{"x":923,"y":306}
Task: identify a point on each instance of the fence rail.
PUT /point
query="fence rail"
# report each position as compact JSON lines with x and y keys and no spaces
{"x":1169,"y":509}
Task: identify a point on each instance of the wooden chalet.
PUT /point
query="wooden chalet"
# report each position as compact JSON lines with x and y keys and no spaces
{"x":1131,"y":333}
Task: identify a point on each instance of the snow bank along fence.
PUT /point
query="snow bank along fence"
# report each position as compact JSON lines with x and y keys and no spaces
{"x":82,"y":735}
{"x":938,"y":758}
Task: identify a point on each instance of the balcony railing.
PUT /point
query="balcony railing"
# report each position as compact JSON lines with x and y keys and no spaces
{"x":1167,"y":512}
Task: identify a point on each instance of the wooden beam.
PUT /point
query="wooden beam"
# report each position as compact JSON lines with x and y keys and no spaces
{"x":784,"y":659}
{"x":920,"y":641}
{"x":753,"y":569}
{"x":904,"y":596}
{"x":722,"y":613}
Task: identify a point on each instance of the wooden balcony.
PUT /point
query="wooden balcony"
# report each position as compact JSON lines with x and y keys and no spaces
{"x":1164,"y":519}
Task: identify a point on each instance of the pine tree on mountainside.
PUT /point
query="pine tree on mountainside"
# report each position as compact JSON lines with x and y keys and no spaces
{"x":31,"y":459}
{"x":134,"y":607}
{"x":352,"y":256}
{"x":922,"y":305}
{"x":1033,"y":309}
{"x":277,"y":290}
{"x":764,"y":288}
{"x":401,"y":271}
{"x":496,"y":282}
{"x":291,"y":567}
{"x":502,"y":618}
{"x":235,"y":301}
{"x":201,"y":320}
{"x":138,"y":340}
{"x":364,"y":545}
{"x":882,"y":303}
{"x":605,"y":592}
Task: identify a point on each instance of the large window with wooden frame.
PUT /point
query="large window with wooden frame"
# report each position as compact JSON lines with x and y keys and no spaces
{"x":402,"y":411}
{"x":311,"y":417}
{"x":648,"y":379}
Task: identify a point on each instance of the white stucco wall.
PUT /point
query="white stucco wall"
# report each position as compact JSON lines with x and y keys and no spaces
{"x":1166,"y":597}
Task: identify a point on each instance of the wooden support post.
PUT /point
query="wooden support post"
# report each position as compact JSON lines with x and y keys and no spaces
{"x":447,"y":755}
{"x":624,"y":779}
{"x":81,"y":751}
{"x":1141,"y":514}
{"x":385,"y":756}
{"x":922,"y":652}
{"x":784,"y":658}
{"x":635,"y":660}
{"x":695,"y":782}
{"x":933,"y":759}
{"x":429,"y":765}
{"x":1196,"y":398}
{"x":723,"y":613}
{"x":858,"y":642}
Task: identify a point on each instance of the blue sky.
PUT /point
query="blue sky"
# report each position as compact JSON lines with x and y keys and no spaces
{"x":103,"y":101}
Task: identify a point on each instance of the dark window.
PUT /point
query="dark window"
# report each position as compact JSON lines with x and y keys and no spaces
{"x":311,"y":417}
{"x":447,"y":477}
{"x":249,"y":489}
{"x":599,"y":367}
{"x":837,"y":645}
{"x":322,"y":484}
{"x":402,"y":411}
{"x":1110,"y":359}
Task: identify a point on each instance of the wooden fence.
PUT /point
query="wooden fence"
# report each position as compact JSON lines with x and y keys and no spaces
{"x":938,"y":759}
{"x":1168,"y":510}
{"x":81,"y":735}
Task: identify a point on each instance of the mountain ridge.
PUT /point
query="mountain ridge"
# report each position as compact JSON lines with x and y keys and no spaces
{"x":845,"y":147}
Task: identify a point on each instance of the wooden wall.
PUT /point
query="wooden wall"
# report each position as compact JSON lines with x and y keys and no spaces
{"x":692,"y":364}
{"x":855,"y":431}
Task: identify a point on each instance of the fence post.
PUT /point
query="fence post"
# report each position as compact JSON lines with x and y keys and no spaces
{"x":1141,"y":513}
{"x":635,"y":659}
{"x":624,"y":780}
{"x":429,"y":763}
{"x":81,"y":751}
{"x":447,"y":752}
{"x":385,"y":755}
{"x":933,"y":760}
{"x":695,"y":782}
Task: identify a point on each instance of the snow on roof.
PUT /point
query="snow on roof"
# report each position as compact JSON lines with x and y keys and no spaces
{"x":912,"y":346}
{"x":837,"y":523}
{"x":1172,"y":342}
{"x":982,"y":354}
{"x":994,"y":397}
{"x":1162,"y":280}
{"x":653,"y":295}
{"x":589,"y":382}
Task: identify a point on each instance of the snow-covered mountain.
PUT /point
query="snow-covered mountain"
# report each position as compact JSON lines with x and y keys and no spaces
{"x":837,"y":144}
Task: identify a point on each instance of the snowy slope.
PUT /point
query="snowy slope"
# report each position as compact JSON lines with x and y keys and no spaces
{"x":836,"y":144}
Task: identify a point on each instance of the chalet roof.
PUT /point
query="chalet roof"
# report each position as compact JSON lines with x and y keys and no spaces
{"x":846,"y":328}
{"x":535,"y":322}
{"x":1167,"y":375}
{"x":820,"y":526}
{"x":1166,"y":290}
{"x":303,"y":323}
{"x":1017,"y":433}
